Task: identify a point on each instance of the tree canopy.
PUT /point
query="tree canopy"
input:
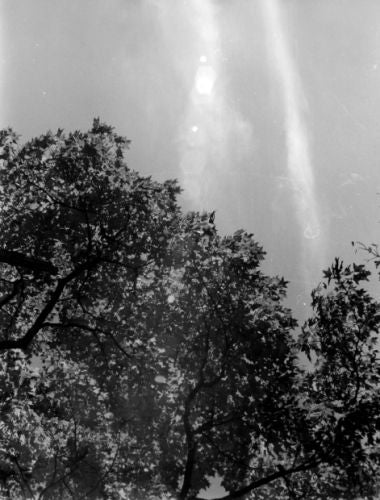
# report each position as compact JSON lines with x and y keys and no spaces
{"x":143,"y":354}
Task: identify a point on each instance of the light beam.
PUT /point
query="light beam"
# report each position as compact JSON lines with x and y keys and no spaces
{"x":210,"y":128}
{"x":299,"y":162}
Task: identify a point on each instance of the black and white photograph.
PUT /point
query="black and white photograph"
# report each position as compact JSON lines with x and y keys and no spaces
{"x":189,"y":249}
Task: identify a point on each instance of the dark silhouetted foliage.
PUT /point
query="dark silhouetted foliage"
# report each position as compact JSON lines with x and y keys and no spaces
{"x":143,"y":354}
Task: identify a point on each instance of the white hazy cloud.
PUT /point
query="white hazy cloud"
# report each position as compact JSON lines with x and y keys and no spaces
{"x":299,"y":162}
{"x":210,"y":129}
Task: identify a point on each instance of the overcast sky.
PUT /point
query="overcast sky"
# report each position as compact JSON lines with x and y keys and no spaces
{"x":267,"y":111}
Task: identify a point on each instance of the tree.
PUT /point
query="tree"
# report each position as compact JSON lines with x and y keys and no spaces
{"x":78,"y":228}
{"x":142,"y":353}
{"x":343,"y":396}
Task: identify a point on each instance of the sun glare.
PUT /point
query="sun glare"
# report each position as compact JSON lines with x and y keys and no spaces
{"x":205,"y":80}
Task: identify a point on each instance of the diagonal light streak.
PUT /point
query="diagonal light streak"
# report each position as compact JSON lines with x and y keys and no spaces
{"x":210,"y":127}
{"x":299,"y":162}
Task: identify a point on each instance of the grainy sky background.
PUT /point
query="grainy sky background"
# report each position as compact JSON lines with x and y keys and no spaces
{"x":267,"y":111}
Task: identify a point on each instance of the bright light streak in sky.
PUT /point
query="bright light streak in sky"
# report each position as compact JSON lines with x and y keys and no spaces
{"x":299,"y":163}
{"x":209,"y":123}
{"x":205,"y":80}
{"x":197,"y":130}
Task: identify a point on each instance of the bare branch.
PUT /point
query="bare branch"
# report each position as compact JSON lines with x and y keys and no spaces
{"x":23,"y":342}
{"x":34,"y":264}
{"x":281,"y":474}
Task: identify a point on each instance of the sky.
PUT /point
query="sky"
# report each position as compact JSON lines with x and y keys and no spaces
{"x":267,"y":111}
